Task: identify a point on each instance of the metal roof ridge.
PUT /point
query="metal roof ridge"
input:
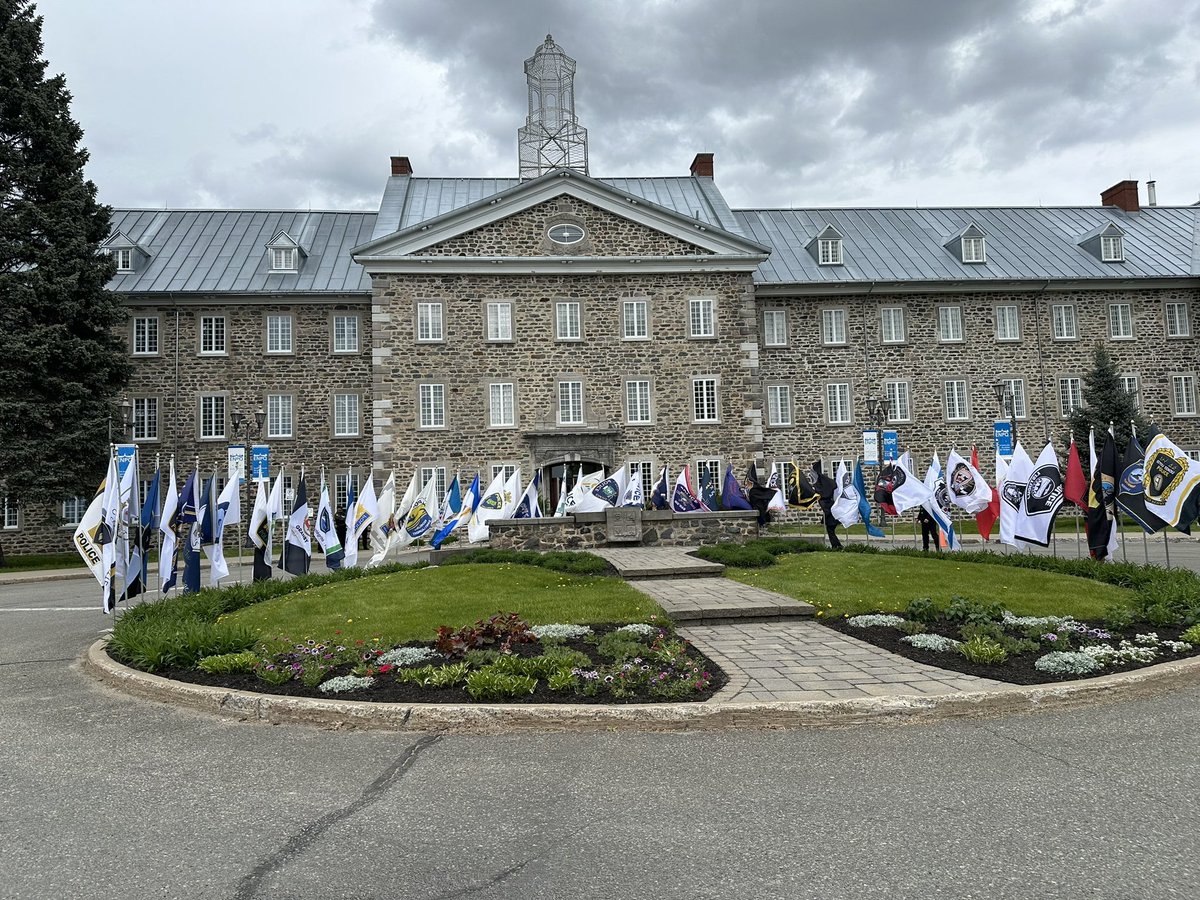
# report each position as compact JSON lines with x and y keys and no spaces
{"x":213,"y":209}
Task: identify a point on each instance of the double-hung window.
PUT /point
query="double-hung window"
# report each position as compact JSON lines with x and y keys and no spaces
{"x":837,"y":403}
{"x":280,"y":420}
{"x":700,"y":317}
{"x":12,"y":520}
{"x":1183,"y":393}
{"x":1063,"y":319}
{"x":833,"y":326}
{"x":212,"y":416}
{"x":1016,"y":387}
{"x":955,"y":391}
{"x":899,"y":401}
{"x":775,"y":328}
{"x":1129,"y":384}
{"x":145,"y":335}
{"x":429,"y":322}
{"x":1070,"y":395}
{"x":346,"y":415}
{"x":950,"y":327}
{"x":635,"y":322}
{"x":567,"y":320}
{"x":212,"y":335}
{"x":499,"y":321}
{"x":1008,"y":327}
{"x":345,"y":334}
{"x":432,"y":401}
{"x":1120,"y":321}
{"x":891,"y":324}
{"x":704,"y":399}
{"x":637,"y":402}
{"x":1178,"y":323}
{"x":502,"y":405}
{"x":779,"y":404}
{"x":279,"y":334}
{"x":570,"y":403}
{"x":145,"y":418}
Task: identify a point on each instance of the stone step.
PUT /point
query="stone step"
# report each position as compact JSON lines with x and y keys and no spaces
{"x":719,"y":600}
{"x":656,"y":563}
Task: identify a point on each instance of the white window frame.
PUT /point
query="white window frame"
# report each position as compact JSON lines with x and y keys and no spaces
{"x":283,"y":259}
{"x":281,"y":334}
{"x":891,"y":325}
{"x":73,"y":509}
{"x":499,"y":316}
{"x":1132,"y":385}
{"x":1005,"y":337}
{"x":281,"y":416}
{"x":209,"y":419}
{"x":502,"y":404}
{"x":974,"y":249}
{"x":899,"y":400}
{"x":347,"y":415}
{"x":838,"y":404}
{"x":507,"y":468}
{"x":950,"y":324}
{"x":1120,"y":321}
{"x":645,"y":470}
{"x":431,"y":326}
{"x":12,"y":515}
{"x":1016,"y":386}
{"x":568,"y":320}
{"x":1183,"y":394}
{"x":702,"y":317}
{"x":431,"y":406}
{"x":1064,"y":324}
{"x":829,"y":251}
{"x":124,"y":256}
{"x":438,"y":475}
{"x":706,"y":399}
{"x":341,"y":489}
{"x":956,"y":400}
{"x":212,"y":327}
{"x":571,"y":410}
{"x":779,"y":405}
{"x":345,"y":333}
{"x":145,"y":336}
{"x":635,"y":319}
{"x":1070,"y":394}
{"x":775,"y":328}
{"x":833,"y":326}
{"x":145,"y":415}
{"x":1178,"y":325}
{"x":1112,"y":248}
{"x":638,"y":409}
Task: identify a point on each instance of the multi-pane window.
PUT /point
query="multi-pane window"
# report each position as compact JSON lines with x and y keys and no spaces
{"x":950,"y":323}
{"x":124,"y":258}
{"x":779,"y":404}
{"x":700,"y":317}
{"x":289,"y":492}
{"x":1063,"y":317}
{"x":212,"y":334}
{"x":505,"y":469}
{"x":499,"y":321}
{"x":279,"y":416}
{"x":1008,"y":327}
{"x":833,"y":326}
{"x":899,"y":401}
{"x":775,"y":328}
{"x":145,"y":335}
{"x":345,"y":334}
{"x":342,"y":484}
{"x":436,"y":474}
{"x":566,"y":320}
{"x":973,"y":250}
{"x":643,"y":470}
{"x":635,"y":320}
{"x":502,"y":405}
{"x":1070,"y":395}
{"x":955,"y":390}
{"x":829,"y":251}
{"x":704,"y":400}
{"x":279,"y":334}
{"x":432,"y":401}
{"x":1178,"y":323}
{"x":892,"y":324}
{"x":73,"y":509}
{"x":1120,"y":321}
{"x":345,"y":415}
{"x":10,"y":515}
{"x":212,"y":416}
{"x":1183,"y":391}
{"x":637,"y":402}
{"x":283,"y":259}
{"x":429,"y":322}
{"x":1016,"y":387}
{"x":1111,"y":248}
{"x":708,"y":477}
{"x":1129,"y":384}
{"x":837,"y":404}
{"x":570,"y":403}
{"x":145,"y":418}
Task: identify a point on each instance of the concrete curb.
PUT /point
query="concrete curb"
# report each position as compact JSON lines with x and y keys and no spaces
{"x":711,"y":716}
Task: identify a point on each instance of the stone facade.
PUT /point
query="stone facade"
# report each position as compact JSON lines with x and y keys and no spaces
{"x":588,"y":531}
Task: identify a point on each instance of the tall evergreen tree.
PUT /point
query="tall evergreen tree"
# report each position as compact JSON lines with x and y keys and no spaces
{"x":1105,"y":400}
{"x":61,"y":361}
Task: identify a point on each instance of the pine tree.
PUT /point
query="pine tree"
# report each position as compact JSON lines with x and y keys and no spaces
{"x":61,"y":362}
{"x":1105,"y":400}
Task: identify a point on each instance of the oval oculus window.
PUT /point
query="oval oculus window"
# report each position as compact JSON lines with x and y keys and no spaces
{"x":565,"y":233}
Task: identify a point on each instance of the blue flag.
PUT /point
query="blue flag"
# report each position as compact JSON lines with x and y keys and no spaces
{"x":529,"y":507}
{"x":708,"y":489}
{"x":469,"y":503}
{"x":139,"y":560}
{"x":191,"y":560}
{"x":864,"y":506}
{"x":205,"y":513}
{"x":732,"y":495}
{"x":660,"y":499}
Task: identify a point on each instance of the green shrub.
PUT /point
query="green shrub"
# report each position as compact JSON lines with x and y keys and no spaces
{"x":562,"y":680}
{"x":1191,"y":635}
{"x":620,"y":646}
{"x":566,"y":658}
{"x":570,"y":562}
{"x":980,"y":649}
{"x":909,"y":626}
{"x":1118,"y":617}
{"x":922,"y":609}
{"x":489,"y":684}
{"x":178,"y":641}
{"x":968,"y":611}
{"x":741,"y":556}
{"x":229,"y":663}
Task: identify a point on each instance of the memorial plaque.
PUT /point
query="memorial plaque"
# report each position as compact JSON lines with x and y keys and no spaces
{"x":624,"y":524}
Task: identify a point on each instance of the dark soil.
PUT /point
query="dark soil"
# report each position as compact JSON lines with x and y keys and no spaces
{"x":1017,"y":669}
{"x":388,"y":690}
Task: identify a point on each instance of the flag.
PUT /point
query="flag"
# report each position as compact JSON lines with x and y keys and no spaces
{"x":418,"y":520}
{"x":350,"y":550}
{"x":986,"y":519}
{"x":87,"y":534}
{"x":261,"y":524}
{"x":1012,"y":493}
{"x":864,"y":506}
{"x":683,"y":500}
{"x":1102,"y":494}
{"x":147,"y":524}
{"x":451,"y":505}
{"x":732,"y":495}
{"x":708,"y":489}
{"x":581,"y":499}
{"x":205,"y":510}
{"x":126,"y":558}
{"x":966,"y":487}
{"x":659,"y":499}
{"x":530,"y":506}
{"x":325,"y":531}
{"x":106,"y":533}
{"x":228,"y":512}
{"x":168,"y":525}
{"x":365,"y":512}
{"x":498,"y":502}
{"x":297,"y":545}
{"x":467,"y":507}
{"x":775,"y":484}
{"x":383,"y":530}
{"x":846,"y":508}
{"x":762,"y":499}
{"x":563,"y":492}
{"x":609,"y":491}
{"x":939,"y":505}
{"x":635,"y":493}
{"x":1075,"y":487}
{"x":906,"y":490}
{"x":1042,"y":499}
{"x":1172,"y":484}
{"x":402,"y":537}
{"x":1131,"y":487}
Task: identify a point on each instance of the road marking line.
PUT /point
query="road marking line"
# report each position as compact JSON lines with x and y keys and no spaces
{"x":51,"y":609}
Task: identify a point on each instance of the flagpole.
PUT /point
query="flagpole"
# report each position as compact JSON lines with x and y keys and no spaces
{"x":1167,"y":547}
{"x":1145,"y":547}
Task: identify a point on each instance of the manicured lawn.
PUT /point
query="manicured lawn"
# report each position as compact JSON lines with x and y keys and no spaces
{"x":852,"y":583}
{"x":410,"y":605}
{"x":30,"y":562}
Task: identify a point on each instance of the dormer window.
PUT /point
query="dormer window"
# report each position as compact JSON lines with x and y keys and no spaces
{"x":126,"y":253}
{"x":973,"y":250}
{"x":969,"y":245}
{"x":830,"y":250}
{"x":1105,"y":242}
{"x":124,"y":259}
{"x":1111,"y":248}
{"x":283,"y":259}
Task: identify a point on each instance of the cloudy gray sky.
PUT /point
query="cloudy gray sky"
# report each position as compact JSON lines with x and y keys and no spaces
{"x":299,"y":103}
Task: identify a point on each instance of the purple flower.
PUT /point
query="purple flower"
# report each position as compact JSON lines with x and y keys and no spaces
{"x":1050,"y":637}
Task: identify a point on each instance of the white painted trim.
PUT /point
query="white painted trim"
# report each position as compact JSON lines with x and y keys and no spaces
{"x":557,"y":265}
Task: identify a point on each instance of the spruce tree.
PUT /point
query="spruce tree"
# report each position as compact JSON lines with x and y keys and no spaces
{"x":61,"y":361}
{"x":1105,"y":400}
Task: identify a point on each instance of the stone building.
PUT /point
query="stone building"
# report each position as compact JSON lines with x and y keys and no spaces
{"x":475,"y":324}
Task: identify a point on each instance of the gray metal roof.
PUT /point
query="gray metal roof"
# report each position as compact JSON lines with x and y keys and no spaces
{"x":225,"y":251}
{"x":1023,"y":244}
{"x":409,"y":201}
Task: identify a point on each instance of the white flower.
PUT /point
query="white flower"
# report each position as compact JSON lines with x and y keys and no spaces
{"x":405,"y":656}
{"x":1060,"y":663}
{"x":876,"y":620}
{"x":559,"y":632}
{"x":935,"y":642}
{"x":345,"y":683}
{"x":639,"y":628}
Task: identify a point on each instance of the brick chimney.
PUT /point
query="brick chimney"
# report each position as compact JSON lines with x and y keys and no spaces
{"x":1123,"y":194}
{"x":401,"y":165}
{"x":702,"y":166}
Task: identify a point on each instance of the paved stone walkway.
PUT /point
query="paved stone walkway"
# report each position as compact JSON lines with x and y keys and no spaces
{"x":716,"y":600}
{"x":658,"y":562}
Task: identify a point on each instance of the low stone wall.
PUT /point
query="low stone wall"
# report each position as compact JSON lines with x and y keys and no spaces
{"x":586,"y":531}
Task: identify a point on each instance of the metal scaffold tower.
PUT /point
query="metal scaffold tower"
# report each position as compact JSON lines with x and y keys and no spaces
{"x":551,"y":137}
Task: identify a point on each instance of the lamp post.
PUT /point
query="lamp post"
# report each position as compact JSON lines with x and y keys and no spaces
{"x":242,"y":427}
{"x":1008,"y":406}
{"x":877,"y":415}
{"x":126,"y":410}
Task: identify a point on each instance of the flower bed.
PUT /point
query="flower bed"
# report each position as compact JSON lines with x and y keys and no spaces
{"x":501,"y":659}
{"x":987,"y":641}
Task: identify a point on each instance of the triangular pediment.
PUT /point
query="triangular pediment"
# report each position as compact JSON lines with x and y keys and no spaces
{"x":284,"y":241}
{"x":119,"y":241}
{"x":514,"y":226}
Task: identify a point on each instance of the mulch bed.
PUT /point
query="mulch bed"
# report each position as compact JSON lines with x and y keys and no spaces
{"x":1017,"y":669}
{"x":388,"y":690}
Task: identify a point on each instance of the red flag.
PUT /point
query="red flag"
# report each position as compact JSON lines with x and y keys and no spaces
{"x":986,"y":520}
{"x":1075,"y":487}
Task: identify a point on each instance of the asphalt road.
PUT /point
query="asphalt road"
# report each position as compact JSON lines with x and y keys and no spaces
{"x":105,"y":796}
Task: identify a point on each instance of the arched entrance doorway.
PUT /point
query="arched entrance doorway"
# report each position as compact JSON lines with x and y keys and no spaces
{"x":559,"y":477}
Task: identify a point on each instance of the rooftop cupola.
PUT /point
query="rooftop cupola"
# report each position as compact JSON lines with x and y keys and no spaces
{"x":551,"y":137}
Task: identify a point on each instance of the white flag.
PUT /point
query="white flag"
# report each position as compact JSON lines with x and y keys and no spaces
{"x":418,"y":519}
{"x":1041,"y":500}
{"x":908,"y":491}
{"x":968,"y":490}
{"x":845,"y":498}
{"x":167,"y":524}
{"x":383,"y":529}
{"x":229,"y":512}
{"x":1171,"y":481}
{"x":365,"y":512}
{"x":499,"y":502}
{"x":1013,"y":493}
{"x":938,"y":505}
